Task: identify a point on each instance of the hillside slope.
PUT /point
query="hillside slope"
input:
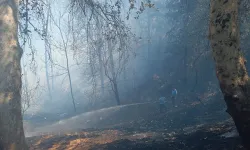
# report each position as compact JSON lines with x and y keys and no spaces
{"x":141,"y":126}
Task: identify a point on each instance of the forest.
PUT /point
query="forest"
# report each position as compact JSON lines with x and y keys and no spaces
{"x":124,"y":74}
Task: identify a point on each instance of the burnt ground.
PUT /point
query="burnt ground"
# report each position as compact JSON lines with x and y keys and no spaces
{"x":206,"y":137}
{"x":189,"y":127}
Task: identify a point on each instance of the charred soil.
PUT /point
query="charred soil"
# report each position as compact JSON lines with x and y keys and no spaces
{"x":184,"y":128}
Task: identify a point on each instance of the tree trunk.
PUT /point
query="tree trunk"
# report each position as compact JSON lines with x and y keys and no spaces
{"x":52,"y":72}
{"x":69,"y":77}
{"x":149,"y":43}
{"x":185,"y":61}
{"x":99,"y":50}
{"x":93,"y":74}
{"x":46,"y":53}
{"x":47,"y":74}
{"x":65,"y":43}
{"x":117,"y":97}
{"x":230,"y":63}
{"x":11,"y":125}
{"x":101,"y":68}
{"x":112,"y":69}
{"x":185,"y":66}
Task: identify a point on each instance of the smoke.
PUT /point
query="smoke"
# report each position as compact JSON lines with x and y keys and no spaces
{"x":148,"y":54}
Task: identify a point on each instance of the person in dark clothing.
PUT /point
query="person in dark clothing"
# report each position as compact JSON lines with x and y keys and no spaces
{"x":162,"y":101}
{"x":173,"y":97}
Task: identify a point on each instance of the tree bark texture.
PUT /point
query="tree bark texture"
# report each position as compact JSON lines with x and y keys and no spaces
{"x":230,"y":63}
{"x":11,"y":125}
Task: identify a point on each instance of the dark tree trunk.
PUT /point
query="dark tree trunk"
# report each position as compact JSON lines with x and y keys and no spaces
{"x":185,"y":67}
{"x":230,"y":63}
{"x":117,"y":97}
{"x":11,"y":125}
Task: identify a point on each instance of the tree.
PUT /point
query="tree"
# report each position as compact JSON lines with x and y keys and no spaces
{"x":107,"y":41}
{"x":47,"y":51}
{"x":11,"y":125}
{"x":110,"y":67}
{"x":231,"y":71}
{"x":65,"y":44}
{"x":29,"y":92}
{"x":99,"y":53}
